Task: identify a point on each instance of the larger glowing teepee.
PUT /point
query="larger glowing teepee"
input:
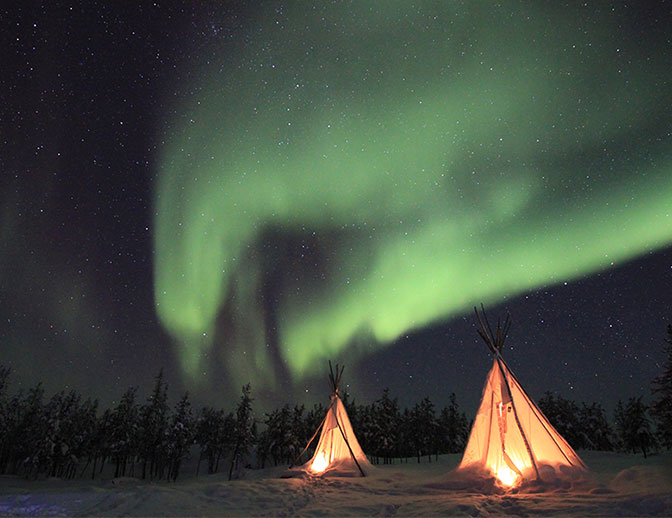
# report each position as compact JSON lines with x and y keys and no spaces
{"x":511,"y":438}
{"x":338,"y":452}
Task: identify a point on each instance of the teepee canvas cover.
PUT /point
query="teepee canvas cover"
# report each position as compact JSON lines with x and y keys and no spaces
{"x":338,"y":452}
{"x":511,"y":438}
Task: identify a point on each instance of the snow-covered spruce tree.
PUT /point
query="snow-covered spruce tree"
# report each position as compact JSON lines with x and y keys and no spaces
{"x":423,"y":429}
{"x":661,"y":408}
{"x":203,"y":432}
{"x":463,"y":429}
{"x":314,"y":418}
{"x":374,"y":449}
{"x":563,"y":415}
{"x":12,"y":414}
{"x":263,"y":449}
{"x":29,"y":440}
{"x":244,"y":430}
{"x":180,"y":436}
{"x":76,"y":429}
{"x":296,"y":439}
{"x":4,"y":416}
{"x":279,"y":424}
{"x":4,"y":383}
{"x":620,"y":426}
{"x":431,"y":425}
{"x":371,"y":432}
{"x":366,"y":427}
{"x":101,"y":441}
{"x":386,"y":417}
{"x":416,"y":441}
{"x":633,"y":426}
{"x":595,"y":429}
{"x":123,"y":432}
{"x":153,"y":426}
{"x":53,"y":414}
{"x":214,"y":430}
{"x":453,"y":428}
{"x":283,"y":438}
{"x":405,"y":444}
{"x":226,"y":437}
{"x":85,"y":429}
{"x":62,"y":413}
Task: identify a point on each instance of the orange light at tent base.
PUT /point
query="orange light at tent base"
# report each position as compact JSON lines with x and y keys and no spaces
{"x":320,"y":463}
{"x":507,"y":476}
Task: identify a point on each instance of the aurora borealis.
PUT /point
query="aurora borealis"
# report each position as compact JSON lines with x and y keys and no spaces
{"x":239,"y":192}
{"x":419,"y":159}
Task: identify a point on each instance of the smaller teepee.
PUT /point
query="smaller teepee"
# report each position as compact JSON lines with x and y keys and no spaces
{"x":338,"y":452}
{"x":511,"y":439}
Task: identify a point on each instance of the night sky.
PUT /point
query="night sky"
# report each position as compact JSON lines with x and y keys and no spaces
{"x":239,"y":191}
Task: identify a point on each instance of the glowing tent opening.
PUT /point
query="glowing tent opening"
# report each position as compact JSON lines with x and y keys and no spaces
{"x":506,"y":475}
{"x":504,"y":469}
{"x":320,"y":463}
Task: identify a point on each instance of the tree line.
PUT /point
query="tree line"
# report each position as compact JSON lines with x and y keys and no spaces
{"x":67,"y":436}
{"x":636,"y":425}
{"x":585,"y":427}
{"x":383,"y":430}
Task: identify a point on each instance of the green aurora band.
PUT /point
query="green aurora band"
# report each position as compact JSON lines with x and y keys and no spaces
{"x":422,"y":160}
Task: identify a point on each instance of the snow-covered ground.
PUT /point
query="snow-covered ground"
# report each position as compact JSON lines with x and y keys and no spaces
{"x":619,"y":485}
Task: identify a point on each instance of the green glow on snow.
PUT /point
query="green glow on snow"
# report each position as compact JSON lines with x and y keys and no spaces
{"x":437,"y":157}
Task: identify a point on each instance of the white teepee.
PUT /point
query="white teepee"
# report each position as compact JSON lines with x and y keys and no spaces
{"x":511,"y":438}
{"x":338,"y":452}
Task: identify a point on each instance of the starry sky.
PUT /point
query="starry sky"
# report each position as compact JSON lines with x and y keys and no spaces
{"x":240,"y":191}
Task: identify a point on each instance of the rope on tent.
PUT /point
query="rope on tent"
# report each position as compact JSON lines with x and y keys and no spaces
{"x":492,"y":404}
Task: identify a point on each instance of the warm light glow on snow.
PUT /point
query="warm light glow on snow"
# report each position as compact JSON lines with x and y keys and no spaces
{"x":320,"y":463}
{"x":506,"y":475}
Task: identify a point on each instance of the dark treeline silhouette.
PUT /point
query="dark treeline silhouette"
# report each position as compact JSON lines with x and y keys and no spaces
{"x":67,"y":436}
{"x":661,"y":408}
{"x":586,"y":426}
{"x":384,"y":431}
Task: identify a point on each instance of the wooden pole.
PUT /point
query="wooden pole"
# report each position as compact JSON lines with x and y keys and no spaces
{"x":348,"y":445}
